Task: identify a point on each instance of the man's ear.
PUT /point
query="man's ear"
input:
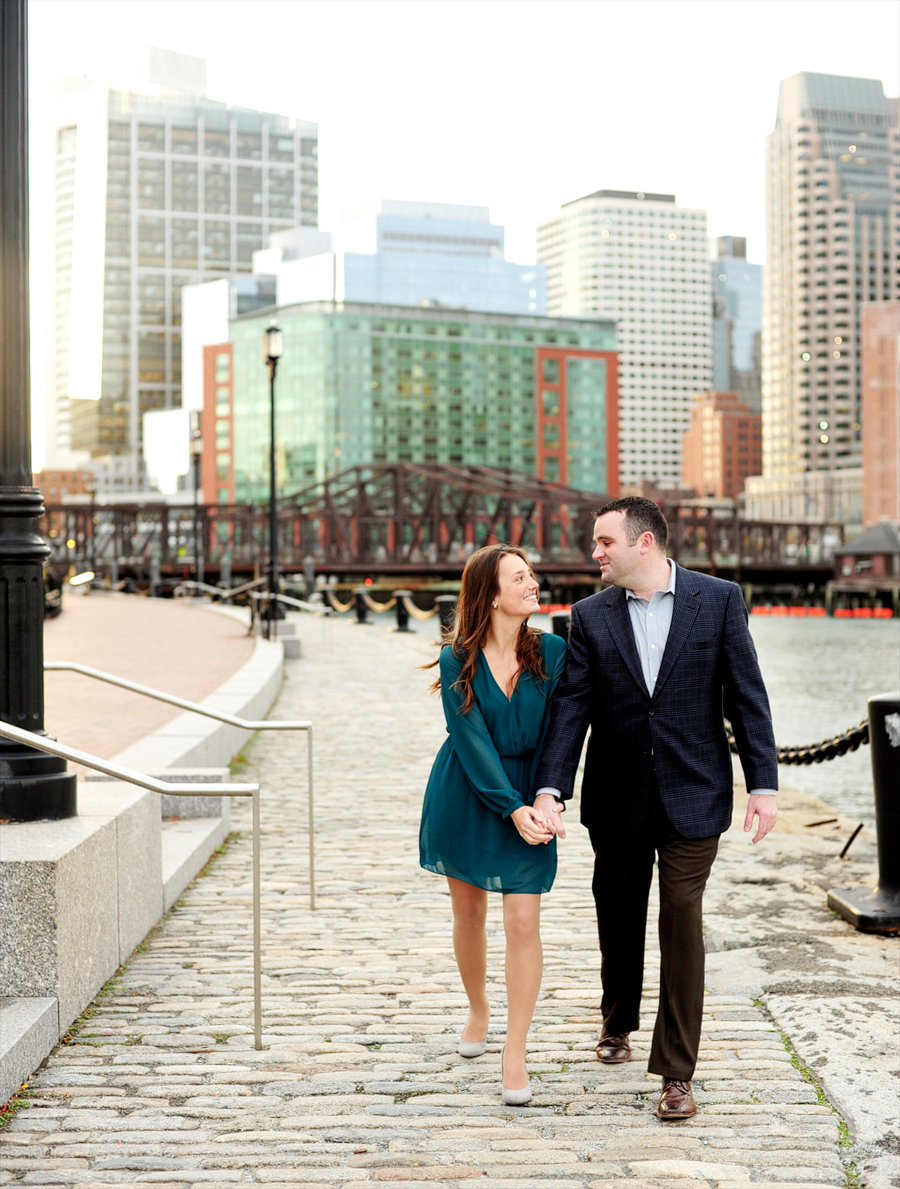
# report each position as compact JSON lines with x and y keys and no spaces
{"x":648,"y":542}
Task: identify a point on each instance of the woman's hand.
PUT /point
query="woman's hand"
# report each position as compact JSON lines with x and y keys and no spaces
{"x":532,"y":825}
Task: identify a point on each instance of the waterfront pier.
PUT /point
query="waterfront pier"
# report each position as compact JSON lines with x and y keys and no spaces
{"x":359,"y":1082}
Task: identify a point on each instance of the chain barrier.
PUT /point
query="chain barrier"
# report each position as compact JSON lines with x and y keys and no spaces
{"x":417,"y":612}
{"x":852,"y":739}
{"x":378,"y":608}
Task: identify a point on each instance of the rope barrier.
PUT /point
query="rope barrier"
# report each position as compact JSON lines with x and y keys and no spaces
{"x":417,"y":612}
{"x":814,"y":753}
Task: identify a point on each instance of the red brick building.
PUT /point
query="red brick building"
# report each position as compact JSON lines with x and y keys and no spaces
{"x":723,"y":445}
{"x":880,"y":349}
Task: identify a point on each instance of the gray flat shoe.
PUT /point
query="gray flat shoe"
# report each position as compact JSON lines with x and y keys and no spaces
{"x":472,"y":1048}
{"x":513,"y":1097}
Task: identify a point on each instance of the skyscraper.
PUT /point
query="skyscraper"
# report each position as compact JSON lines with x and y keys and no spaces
{"x":642,"y":260}
{"x":155,"y":188}
{"x":409,"y":253}
{"x":737,"y":321}
{"x":833,"y":230}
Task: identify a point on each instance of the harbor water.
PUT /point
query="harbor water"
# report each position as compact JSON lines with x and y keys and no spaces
{"x":819,"y":674}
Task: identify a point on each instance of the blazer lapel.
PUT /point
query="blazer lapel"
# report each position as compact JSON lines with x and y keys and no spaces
{"x":687,"y":604}
{"x":623,"y":637}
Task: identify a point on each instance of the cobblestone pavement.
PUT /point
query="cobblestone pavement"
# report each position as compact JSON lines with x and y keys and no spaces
{"x":360,"y":1082}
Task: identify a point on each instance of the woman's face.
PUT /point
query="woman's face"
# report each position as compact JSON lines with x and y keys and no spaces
{"x":517,"y":593}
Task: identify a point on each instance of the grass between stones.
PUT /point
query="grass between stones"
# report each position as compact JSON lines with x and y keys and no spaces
{"x":845,"y":1143}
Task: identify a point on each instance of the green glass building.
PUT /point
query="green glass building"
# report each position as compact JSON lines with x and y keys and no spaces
{"x":367,"y":383}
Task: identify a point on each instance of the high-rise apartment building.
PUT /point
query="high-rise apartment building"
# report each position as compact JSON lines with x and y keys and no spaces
{"x":737,"y":322}
{"x":833,"y":230}
{"x":642,"y":260}
{"x":156,"y":188}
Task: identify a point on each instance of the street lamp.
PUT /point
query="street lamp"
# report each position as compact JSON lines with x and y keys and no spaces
{"x":272,"y":351}
{"x":33,"y":784}
{"x":196,"y":452}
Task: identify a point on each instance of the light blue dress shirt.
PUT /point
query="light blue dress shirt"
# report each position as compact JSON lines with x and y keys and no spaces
{"x":650,"y":623}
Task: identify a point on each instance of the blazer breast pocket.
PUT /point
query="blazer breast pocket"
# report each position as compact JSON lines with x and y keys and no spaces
{"x":710,"y":642}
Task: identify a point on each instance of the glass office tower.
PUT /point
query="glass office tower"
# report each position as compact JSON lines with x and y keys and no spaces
{"x":154,"y":191}
{"x":367,"y":384}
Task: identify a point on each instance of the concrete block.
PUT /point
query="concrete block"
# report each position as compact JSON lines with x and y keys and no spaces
{"x":186,"y":849}
{"x":186,"y":806}
{"x":29,"y":1028}
{"x":291,"y":647}
{"x":138,"y":856}
{"x":59,"y":909}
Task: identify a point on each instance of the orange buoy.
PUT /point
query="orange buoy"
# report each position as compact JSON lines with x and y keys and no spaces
{"x":883,"y":613}
{"x":815,"y":612}
{"x":842,"y":613}
{"x":862,"y":612}
{"x":762,"y":610}
{"x":779,"y":611}
{"x":798,"y":612}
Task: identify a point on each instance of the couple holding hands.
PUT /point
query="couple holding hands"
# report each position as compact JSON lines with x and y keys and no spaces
{"x":654,"y":663}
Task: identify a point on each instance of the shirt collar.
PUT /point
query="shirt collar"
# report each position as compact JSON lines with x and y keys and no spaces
{"x":670,"y":588}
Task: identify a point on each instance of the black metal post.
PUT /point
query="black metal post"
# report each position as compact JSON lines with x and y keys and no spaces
{"x":273,"y":510}
{"x":33,"y":785}
{"x":878,"y":910}
{"x":400,"y":610}
{"x":198,"y":565}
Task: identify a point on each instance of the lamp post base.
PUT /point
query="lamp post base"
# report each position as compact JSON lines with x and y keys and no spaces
{"x":868,"y":910}
{"x":34,"y":786}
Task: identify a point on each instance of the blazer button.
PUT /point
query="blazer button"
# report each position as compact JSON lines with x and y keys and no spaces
{"x":651,"y":712}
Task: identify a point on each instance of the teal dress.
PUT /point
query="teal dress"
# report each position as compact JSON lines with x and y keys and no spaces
{"x":483,"y":773}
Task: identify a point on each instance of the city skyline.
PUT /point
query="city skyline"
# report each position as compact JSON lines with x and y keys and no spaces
{"x":465,"y":166}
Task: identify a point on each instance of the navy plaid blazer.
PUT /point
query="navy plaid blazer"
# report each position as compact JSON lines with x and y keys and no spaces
{"x":674,"y":737}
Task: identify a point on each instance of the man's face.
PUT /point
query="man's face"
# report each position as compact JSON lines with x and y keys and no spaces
{"x":618,"y":560}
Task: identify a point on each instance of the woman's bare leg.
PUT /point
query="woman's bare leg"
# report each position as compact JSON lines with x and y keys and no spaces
{"x":524,"y":967}
{"x":470,"y":948}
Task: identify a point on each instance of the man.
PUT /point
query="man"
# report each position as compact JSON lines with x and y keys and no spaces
{"x":652,"y":662}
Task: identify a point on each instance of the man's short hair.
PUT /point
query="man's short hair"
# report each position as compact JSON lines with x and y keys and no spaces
{"x":641,"y":516}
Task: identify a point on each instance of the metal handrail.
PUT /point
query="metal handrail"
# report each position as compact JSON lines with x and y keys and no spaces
{"x":316,"y":608}
{"x":52,"y":747}
{"x":223,"y":592}
{"x":266,"y":724}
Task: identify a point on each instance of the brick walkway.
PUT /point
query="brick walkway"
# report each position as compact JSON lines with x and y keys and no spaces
{"x":360,"y":1082}
{"x":184,"y":649}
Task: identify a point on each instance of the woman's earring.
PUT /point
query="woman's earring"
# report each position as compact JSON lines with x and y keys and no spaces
{"x":494,"y":605}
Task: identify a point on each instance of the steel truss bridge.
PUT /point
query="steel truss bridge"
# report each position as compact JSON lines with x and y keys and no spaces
{"x":407,"y":521}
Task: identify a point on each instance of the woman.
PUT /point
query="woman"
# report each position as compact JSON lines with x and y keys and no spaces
{"x":479,"y":828}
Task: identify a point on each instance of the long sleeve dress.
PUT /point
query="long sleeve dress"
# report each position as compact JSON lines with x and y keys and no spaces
{"x":484,"y":772}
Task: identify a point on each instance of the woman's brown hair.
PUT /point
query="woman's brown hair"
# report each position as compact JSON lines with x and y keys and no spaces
{"x":478,"y":589}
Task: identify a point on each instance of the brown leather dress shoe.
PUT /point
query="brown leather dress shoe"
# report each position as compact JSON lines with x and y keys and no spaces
{"x":676,"y":1100}
{"x":613,"y":1049}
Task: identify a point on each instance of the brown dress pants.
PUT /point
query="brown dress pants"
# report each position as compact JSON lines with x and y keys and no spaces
{"x":623,"y":869}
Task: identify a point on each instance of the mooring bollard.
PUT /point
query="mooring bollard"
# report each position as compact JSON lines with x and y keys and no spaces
{"x":362,"y":611}
{"x":400,"y":610}
{"x":559,"y":621}
{"x":878,"y":910}
{"x":446,"y":605}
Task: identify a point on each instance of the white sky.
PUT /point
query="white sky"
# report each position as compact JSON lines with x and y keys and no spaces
{"x":519,"y":105}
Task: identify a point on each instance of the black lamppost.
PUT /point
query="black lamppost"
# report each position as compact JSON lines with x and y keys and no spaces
{"x":272,"y":351}
{"x":33,"y":785}
{"x":196,"y":453}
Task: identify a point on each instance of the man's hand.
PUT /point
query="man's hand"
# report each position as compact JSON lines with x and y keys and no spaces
{"x":547,"y":805}
{"x":763,"y":807}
